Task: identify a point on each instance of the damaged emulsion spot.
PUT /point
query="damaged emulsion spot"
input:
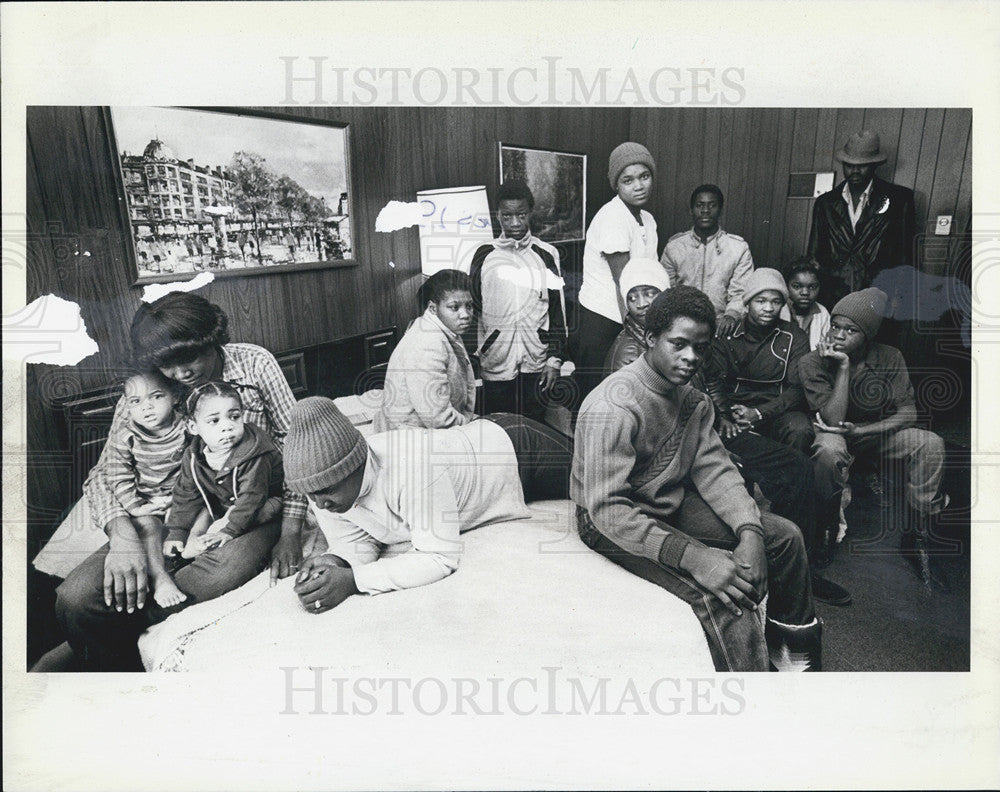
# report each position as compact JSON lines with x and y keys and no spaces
{"x":524,"y":279}
{"x":157,"y":290}
{"x":398,"y":214}
{"x":48,"y":330}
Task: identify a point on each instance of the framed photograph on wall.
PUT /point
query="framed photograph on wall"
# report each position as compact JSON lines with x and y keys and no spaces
{"x":231,"y":191}
{"x":558,"y":180}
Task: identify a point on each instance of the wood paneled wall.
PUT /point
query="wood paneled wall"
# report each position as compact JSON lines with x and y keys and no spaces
{"x":72,"y":211}
{"x":750,"y":152}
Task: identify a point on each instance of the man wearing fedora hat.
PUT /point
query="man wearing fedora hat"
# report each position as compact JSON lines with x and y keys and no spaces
{"x":863,"y":225}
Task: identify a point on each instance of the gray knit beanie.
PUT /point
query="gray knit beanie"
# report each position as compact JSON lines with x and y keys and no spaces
{"x":764,"y":279}
{"x":322,"y":446}
{"x":866,"y":308}
{"x":628,"y":154}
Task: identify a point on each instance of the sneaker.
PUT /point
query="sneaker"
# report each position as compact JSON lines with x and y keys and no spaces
{"x":829,"y":592}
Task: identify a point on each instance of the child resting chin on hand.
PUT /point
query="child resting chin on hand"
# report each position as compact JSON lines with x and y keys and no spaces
{"x":231,"y":477}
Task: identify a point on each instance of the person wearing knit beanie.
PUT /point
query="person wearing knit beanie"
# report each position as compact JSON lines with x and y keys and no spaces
{"x":863,"y":399}
{"x":764,"y":279}
{"x":641,"y":281}
{"x":754,"y":378}
{"x":643,"y":272}
{"x":322,"y":447}
{"x":620,"y":231}
{"x":410,"y":491}
{"x":866,"y":308}
{"x":627,"y":154}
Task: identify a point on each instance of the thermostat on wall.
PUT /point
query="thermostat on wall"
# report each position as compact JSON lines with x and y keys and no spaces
{"x":809,"y":185}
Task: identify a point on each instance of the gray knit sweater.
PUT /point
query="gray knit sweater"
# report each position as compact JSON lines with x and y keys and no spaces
{"x":639,"y":440}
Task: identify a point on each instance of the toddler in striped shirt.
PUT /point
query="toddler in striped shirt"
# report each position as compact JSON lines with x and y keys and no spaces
{"x":144,"y":462}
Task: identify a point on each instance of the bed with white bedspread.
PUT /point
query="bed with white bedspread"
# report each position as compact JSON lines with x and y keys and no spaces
{"x":528,"y":596}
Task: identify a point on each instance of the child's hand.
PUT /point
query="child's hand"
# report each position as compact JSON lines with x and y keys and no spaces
{"x":826,"y":350}
{"x":161,"y":502}
{"x":173,"y":548}
{"x":149,"y":509}
{"x":217,"y":526}
{"x":199,"y":544}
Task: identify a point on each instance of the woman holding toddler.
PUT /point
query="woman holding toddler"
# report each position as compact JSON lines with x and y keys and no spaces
{"x":223,"y":517}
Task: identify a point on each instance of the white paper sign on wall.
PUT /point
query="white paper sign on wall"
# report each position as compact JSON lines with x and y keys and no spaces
{"x":454,"y":222}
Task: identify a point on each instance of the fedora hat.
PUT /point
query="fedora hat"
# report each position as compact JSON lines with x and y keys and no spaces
{"x":862,"y":148}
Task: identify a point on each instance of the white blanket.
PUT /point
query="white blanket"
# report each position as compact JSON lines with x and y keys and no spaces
{"x":528,"y":595}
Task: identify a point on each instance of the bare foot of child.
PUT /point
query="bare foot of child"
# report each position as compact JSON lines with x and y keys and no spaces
{"x":166,"y":593}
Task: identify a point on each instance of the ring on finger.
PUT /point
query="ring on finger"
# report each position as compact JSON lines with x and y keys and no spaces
{"x":317,"y":604}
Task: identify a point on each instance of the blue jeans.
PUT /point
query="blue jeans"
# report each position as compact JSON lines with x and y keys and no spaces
{"x":735,"y":642}
{"x":105,"y":640}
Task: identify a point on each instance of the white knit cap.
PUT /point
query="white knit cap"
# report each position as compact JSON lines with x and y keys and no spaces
{"x":643,"y":272}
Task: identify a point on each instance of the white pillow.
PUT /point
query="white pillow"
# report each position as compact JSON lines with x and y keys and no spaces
{"x":76,"y":539}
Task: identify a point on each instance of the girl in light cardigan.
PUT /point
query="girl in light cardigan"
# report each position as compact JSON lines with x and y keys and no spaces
{"x":429,"y":382}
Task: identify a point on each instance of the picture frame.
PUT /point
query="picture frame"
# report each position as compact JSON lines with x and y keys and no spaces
{"x":558,"y":181}
{"x":230,"y":191}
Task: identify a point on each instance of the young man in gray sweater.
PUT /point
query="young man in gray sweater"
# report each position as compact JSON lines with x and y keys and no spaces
{"x":656,"y":493}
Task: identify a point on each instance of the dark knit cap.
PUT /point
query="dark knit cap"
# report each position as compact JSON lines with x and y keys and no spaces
{"x":866,"y":308}
{"x":322,"y":446}
{"x":628,"y":154}
{"x":764,"y":279}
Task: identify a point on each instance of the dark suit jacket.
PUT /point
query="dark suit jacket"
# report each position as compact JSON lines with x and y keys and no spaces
{"x":850,"y":258}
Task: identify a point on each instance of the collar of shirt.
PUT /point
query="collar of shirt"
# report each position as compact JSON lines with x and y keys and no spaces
{"x":871,"y":361}
{"x":716,"y":237}
{"x":652,"y":378}
{"x":236,"y":362}
{"x":636,"y":330}
{"x":504,"y":241}
{"x":623,"y":207}
{"x":742,"y":329}
{"x":434,"y":320}
{"x":846,"y":192}
{"x":855,"y":214}
{"x":371,"y":510}
{"x":177,"y":428}
{"x":372,"y":469}
{"x":217,"y":459}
